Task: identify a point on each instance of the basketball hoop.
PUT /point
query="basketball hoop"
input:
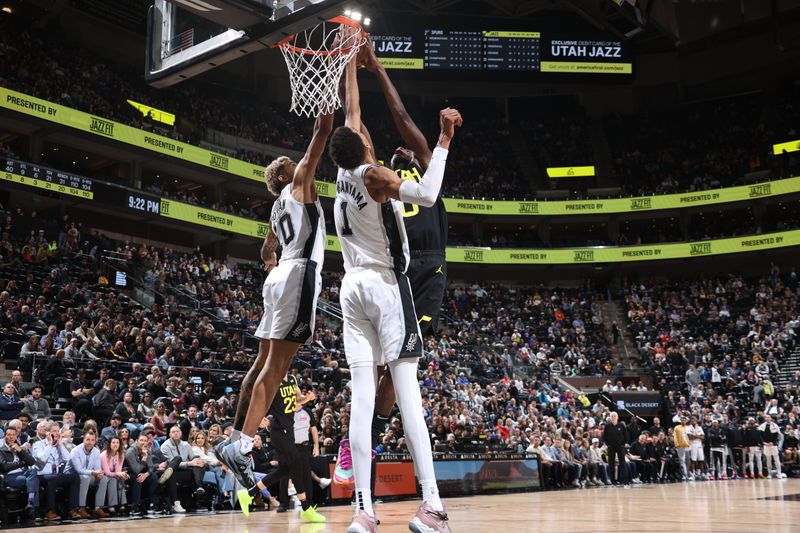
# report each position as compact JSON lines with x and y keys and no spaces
{"x":316,"y":59}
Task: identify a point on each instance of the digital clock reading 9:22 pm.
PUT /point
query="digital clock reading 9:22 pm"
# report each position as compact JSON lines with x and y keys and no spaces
{"x":144,"y":204}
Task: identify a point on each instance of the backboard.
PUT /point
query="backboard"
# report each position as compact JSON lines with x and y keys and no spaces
{"x":188,"y":37}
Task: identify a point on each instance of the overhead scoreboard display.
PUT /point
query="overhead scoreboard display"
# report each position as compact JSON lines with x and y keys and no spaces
{"x":491,"y":50}
{"x":48,"y":179}
{"x":521,"y":51}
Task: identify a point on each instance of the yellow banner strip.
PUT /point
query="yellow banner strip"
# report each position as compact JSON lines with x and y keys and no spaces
{"x":569,"y":172}
{"x":155,"y":113}
{"x":405,"y":63}
{"x":258,"y":229}
{"x":785,"y":148}
{"x":612,"y":205}
{"x":59,"y":114}
{"x":586,"y":67}
{"x":660,"y":252}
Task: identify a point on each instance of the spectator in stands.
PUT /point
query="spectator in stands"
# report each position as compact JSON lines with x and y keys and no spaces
{"x":552,"y":476}
{"x":102,"y":377}
{"x":112,"y":460}
{"x":189,"y":422}
{"x":104,"y":402}
{"x":596,"y":463}
{"x":41,"y":431}
{"x":29,"y":350}
{"x":72,"y":352}
{"x":129,"y":413}
{"x":84,"y":462}
{"x":81,"y":391}
{"x":52,"y":459}
{"x":145,"y":410}
{"x":187,"y":468}
{"x":112,"y":430}
{"x":36,"y":406}
{"x":53,"y":368}
{"x":216,"y":472}
{"x":51,"y":337}
{"x":10,"y":404}
{"x":16,"y":380}
{"x":17,"y":465}
{"x":24,"y":428}
{"x":119,"y":352}
{"x":161,"y":418}
{"x":68,"y":422}
{"x":143,"y":476}
{"x":88,"y":352}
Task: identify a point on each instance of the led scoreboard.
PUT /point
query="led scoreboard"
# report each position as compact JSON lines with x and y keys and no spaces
{"x":493,"y":50}
{"x":518,"y":52}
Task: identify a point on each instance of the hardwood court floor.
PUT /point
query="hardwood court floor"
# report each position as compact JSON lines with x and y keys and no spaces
{"x":744,"y":506}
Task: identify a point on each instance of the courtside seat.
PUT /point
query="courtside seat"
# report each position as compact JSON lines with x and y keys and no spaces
{"x":12,"y":502}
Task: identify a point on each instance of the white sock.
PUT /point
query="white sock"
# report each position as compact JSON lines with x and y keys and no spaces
{"x":430,"y":494}
{"x":363,"y":381}
{"x":246,"y":443}
{"x":364,"y":501}
{"x":409,"y":399}
{"x":235,"y":435}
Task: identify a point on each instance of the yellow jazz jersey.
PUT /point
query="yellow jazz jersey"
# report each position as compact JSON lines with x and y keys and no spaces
{"x":283,"y":406}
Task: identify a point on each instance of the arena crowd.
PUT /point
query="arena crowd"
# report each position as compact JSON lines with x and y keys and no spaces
{"x":119,"y":394}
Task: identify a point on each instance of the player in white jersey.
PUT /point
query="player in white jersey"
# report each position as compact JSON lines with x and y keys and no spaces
{"x":380,"y":323}
{"x":290,"y":293}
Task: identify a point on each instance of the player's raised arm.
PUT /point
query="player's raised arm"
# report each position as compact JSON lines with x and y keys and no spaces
{"x":352,"y":99}
{"x":382,"y":180}
{"x":303,"y":186}
{"x":412,"y":136}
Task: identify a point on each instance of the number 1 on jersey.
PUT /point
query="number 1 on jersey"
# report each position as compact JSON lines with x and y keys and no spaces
{"x":346,"y":229}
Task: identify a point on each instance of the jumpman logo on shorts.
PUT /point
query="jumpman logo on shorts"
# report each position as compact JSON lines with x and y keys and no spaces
{"x":439,"y":270}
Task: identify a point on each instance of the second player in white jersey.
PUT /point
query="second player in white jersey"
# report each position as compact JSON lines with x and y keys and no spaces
{"x":300,"y":228}
{"x":290,"y":299}
{"x":292,"y":288}
{"x":380,"y":322}
{"x":371,"y":234}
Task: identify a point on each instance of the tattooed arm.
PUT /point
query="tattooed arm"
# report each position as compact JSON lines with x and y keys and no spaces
{"x":268,"y":249}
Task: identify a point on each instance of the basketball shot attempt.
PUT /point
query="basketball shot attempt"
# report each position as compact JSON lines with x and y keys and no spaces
{"x":426,"y":228}
{"x":290,"y":294}
{"x":316,"y":59}
{"x":380,"y":322}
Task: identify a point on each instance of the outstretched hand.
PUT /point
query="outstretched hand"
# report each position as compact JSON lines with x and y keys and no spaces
{"x":449,"y":120}
{"x":366,"y":56}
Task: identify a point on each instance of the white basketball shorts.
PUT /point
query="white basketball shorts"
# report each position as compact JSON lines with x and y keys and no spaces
{"x":380,"y":323}
{"x":290,"y":295}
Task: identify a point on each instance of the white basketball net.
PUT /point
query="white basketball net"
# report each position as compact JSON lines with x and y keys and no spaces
{"x":316,"y":59}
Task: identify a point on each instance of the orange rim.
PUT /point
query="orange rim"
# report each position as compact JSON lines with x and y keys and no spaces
{"x":341,"y":19}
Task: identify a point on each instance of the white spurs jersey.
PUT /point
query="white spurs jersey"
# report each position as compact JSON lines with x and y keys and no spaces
{"x":299,"y":227}
{"x":371,"y":234}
